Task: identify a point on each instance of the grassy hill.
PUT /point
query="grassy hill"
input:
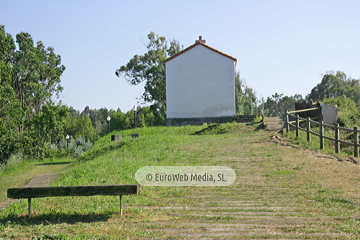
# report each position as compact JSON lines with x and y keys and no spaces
{"x":281,"y":190}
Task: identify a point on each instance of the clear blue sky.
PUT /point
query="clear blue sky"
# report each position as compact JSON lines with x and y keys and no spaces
{"x":281,"y":46}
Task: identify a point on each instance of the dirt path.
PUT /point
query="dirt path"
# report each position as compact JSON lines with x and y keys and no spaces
{"x":38,"y":181}
{"x":274,"y":123}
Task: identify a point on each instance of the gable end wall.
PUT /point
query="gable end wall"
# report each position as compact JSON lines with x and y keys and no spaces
{"x":200,"y":83}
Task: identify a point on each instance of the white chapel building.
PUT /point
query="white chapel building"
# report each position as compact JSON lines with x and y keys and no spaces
{"x":200,"y":86}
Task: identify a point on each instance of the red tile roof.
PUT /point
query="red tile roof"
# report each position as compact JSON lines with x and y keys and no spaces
{"x":196,"y":44}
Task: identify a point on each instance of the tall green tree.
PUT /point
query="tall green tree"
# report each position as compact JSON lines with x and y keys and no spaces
{"x":45,"y":128}
{"x":335,"y":85}
{"x":277,"y":104}
{"x":29,"y":80}
{"x":149,"y":67}
{"x":119,"y":121}
{"x":10,"y":118}
{"x":84,"y":128}
{"x":36,"y":73}
{"x":245,"y":97}
{"x":79,"y":126}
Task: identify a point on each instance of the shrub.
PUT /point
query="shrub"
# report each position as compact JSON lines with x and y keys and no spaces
{"x":13,"y":160}
{"x":78,"y":151}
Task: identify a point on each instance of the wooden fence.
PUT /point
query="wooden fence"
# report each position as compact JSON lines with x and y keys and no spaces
{"x":300,"y":105}
{"x":321,"y":135}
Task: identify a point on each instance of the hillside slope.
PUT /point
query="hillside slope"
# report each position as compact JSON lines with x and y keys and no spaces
{"x":281,"y":190}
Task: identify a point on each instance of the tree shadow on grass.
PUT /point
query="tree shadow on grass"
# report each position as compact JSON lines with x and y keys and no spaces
{"x":54,"y":218}
{"x":285,"y":143}
{"x":53,"y":163}
{"x":101,"y":150}
{"x":254,"y":123}
{"x":209,"y":129}
{"x":260,"y":126}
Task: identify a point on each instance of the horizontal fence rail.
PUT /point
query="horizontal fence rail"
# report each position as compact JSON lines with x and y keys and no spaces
{"x":337,"y":128}
{"x":303,"y":110}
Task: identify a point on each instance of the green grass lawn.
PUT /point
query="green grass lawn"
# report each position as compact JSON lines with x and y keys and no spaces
{"x":23,"y":171}
{"x":275,"y":180}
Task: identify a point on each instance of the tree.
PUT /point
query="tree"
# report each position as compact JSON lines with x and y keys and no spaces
{"x":70,"y":124}
{"x":298,"y":97}
{"x":10,"y":117}
{"x":29,"y":80}
{"x":80,"y":126}
{"x":277,"y":104}
{"x":45,"y":127}
{"x":36,"y":73}
{"x":245,"y":97}
{"x":270,"y":108}
{"x":86,"y":111}
{"x":119,"y":122}
{"x":84,"y":128}
{"x":150,"y":68}
{"x":159,"y":112}
{"x":287,"y":103}
{"x":277,"y":99}
{"x":238,"y":93}
{"x":335,"y":85}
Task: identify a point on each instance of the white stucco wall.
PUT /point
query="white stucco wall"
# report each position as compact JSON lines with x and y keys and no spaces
{"x":200,"y":83}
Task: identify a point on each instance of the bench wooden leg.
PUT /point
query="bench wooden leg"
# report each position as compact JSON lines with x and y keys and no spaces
{"x":29,"y":207}
{"x":121,"y":211}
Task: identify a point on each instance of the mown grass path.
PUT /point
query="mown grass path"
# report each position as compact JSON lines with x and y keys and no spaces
{"x":278,"y":194}
{"x":24,"y":171}
{"x":42,"y":180}
{"x":281,"y":192}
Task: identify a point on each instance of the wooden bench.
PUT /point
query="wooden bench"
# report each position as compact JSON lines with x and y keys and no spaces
{"x":36,"y":192}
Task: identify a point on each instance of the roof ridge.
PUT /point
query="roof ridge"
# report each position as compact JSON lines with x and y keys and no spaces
{"x":194,"y":45}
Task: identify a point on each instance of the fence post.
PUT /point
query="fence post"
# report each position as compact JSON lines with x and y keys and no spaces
{"x":356,"y":142}
{"x":308,"y":136}
{"x":321,"y":135}
{"x":297,"y":125}
{"x":287,"y":122}
{"x":337,"y":137}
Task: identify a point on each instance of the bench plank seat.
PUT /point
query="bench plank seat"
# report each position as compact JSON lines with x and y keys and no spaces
{"x":36,"y":192}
